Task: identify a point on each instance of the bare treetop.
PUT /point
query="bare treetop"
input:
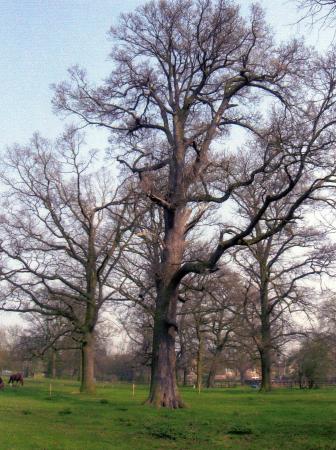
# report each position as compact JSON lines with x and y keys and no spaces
{"x":319,"y":11}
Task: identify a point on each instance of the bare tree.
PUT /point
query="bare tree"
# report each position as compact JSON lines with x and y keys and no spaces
{"x":275,"y":270}
{"x":319,"y":11}
{"x":314,"y":361}
{"x":65,"y":228}
{"x":187,"y":74}
{"x":45,"y":337}
{"x":224,"y":317}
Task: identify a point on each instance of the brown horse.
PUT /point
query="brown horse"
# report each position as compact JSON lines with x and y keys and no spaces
{"x":2,"y":384}
{"x":17,"y":377}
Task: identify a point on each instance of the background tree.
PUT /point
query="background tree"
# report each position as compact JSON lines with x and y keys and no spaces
{"x":275,"y":269}
{"x":45,"y":337}
{"x":314,"y":361}
{"x":65,"y":228}
{"x":319,"y":11}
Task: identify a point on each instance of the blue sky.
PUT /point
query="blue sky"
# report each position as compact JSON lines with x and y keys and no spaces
{"x":40,"y":39}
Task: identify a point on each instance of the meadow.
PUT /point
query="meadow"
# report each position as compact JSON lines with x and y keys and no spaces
{"x":239,"y":418}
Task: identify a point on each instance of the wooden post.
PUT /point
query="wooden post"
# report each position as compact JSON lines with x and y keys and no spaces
{"x":133,"y":390}
{"x":50,"y":388}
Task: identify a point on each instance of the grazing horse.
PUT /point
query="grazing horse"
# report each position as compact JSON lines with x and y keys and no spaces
{"x":17,"y":377}
{"x":2,"y":384}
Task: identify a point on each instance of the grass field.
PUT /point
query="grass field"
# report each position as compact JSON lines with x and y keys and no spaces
{"x":215,"y":419}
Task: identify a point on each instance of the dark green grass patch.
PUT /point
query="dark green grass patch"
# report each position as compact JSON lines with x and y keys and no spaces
{"x":215,"y":419}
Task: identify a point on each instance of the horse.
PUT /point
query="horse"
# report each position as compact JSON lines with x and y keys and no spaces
{"x":17,"y":377}
{"x":2,"y":384}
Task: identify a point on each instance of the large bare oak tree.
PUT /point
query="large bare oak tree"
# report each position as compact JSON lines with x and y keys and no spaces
{"x":186,"y":74}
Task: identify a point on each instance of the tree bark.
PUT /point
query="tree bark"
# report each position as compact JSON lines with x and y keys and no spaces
{"x":185,"y":377}
{"x":265,"y":346}
{"x":242,"y":373}
{"x":88,"y":384}
{"x":265,"y":359}
{"x":200,"y":362}
{"x":265,"y":354}
{"x":53,"y":364}
{"x":213,"y":369}
{"x":163,"y":389}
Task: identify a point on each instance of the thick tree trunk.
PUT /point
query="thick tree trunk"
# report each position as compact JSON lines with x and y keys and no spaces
{"x":211,"y":378}
{"x":214,"y":363}
{"x":265,"y":354}
{"x":265,"y":359}
{"x":88,"y":384}
{"x":163,"y":388}
{"x":213,"y":370}
{"x":266,"y":345}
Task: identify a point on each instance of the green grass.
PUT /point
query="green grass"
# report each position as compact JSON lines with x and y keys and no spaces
{"x":215,"y":419}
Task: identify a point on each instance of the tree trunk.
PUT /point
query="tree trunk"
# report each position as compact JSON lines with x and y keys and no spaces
{"x":265,"y":347}
{"x":265,"y":359}
{"x":88,"y":384}
{"x":163,"y":389}
{"x":265,"y":355}
{"x":214,"y":367}
{"x":200,"y":362}
{"x":185,"y":377}
{"x":242,"y":373}
{"x":53,"y":363}
{"x":79,"y":366}
{"x":211,"y":378}
{"x":212,"y":373}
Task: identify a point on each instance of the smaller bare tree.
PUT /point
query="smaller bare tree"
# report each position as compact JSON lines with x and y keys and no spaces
{"x":64,"y":231}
